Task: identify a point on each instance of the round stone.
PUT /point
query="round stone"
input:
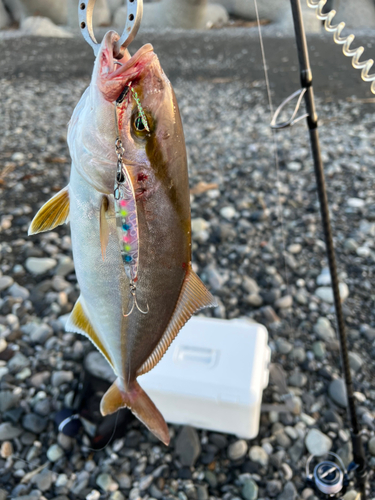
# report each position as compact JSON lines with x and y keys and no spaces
{"x":237,"y":450}
{"x":54,"y":453}
{"x":318,"y":443}
{"x":5,"y":282}
{"x":37,"y":265}
{"x":259,"y":455}
{"x":228,"y":212}
{"x":337,"y":392}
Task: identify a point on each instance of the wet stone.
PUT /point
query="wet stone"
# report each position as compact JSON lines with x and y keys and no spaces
{"x":188,"y":446}
{"x":337,"y":392}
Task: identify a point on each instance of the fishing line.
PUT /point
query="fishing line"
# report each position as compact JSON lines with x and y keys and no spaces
{"x":110,"y":439}
{"x":274,"y":140}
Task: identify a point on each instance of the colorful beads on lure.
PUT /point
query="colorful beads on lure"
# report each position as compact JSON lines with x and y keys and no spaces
{"x":127,"y":225}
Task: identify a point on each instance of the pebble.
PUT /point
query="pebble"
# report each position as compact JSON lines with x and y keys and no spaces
{"x":283,"y":346}
{"x":249,"y":488}
{"x":188,"y":446}
{"x":273,"y":487}
{"x":319,"y":350}
{"x":355,"y":203}
{"x":97,"y":365}
{"x":325,"y":293}
{"x":371,"y":446}
{"x":258,"y":455}
{"x":6,"y":449}
{"x":324,"y":330}
{"x":3,"y":344}
{"x":295,"y":248}
{"x":116,"y":495}
{"x":337,"y":392}
{"x":106,"y":483}
{"x":250,"y":285}
{"x":324,"y":278}
{"x":355,"y":361}
{"x":237,"y":450}
{"x":65,"y":266}
{"x":34,"y":423}
{"x":44,"y":480}
{"x":5,"y":282}
{"x":19,"y":292}
{"x":289,"y":492}
{"x":93,"y":495}
{"x":61,"y":377}
{"x":318,"y":443}
{"x":363,"y":251}
{"x":297,"y":379}
{"x":284,"y":302}
{"x":54,"y":453}
{"x":228,"y":213}
{"x":294,"y":166}
{"x":40,"y":265}
{"x":18,"y":362}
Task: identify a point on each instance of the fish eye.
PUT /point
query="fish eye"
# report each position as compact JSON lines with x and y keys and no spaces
{"x":138,"y":123}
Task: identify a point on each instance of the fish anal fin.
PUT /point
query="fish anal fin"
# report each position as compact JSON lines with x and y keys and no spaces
{"x":194,"y":296}
{"x":140,"y":405}
{"x":78,"y":322}
{"x":104,"y":228}
{"x":52,"y":214}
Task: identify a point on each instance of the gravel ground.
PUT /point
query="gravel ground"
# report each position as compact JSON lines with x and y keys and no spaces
{"x":258,"y":246}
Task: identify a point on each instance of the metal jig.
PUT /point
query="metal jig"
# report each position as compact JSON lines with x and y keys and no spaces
{"x":133,"y":21}
{"x":133,"y":290}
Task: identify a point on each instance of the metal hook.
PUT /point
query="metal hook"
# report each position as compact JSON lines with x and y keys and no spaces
{"x":133,"y":21}
{"x":133,"y":290}
{"x":292,"y":120}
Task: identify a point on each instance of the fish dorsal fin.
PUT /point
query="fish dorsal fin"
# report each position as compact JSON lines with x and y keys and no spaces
{"x":104,"y":228}
{"x":52,"y":214}
{"x":78,"y":322}
{"x":194,"y":296}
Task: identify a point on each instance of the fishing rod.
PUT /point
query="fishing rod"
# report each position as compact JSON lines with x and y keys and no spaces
{"x":328,"y":477}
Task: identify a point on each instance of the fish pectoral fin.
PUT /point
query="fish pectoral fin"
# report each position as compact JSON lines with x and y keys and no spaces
{"x":140,"y":405}
{"x":78,"y":322}
{"x":52,"y":214}
{"x":193,"y":297}
{"x":104,"y":227}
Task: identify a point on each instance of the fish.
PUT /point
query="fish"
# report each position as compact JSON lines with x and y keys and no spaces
{"x":128,"y":205}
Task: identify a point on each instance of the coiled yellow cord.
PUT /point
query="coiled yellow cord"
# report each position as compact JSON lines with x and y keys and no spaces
{"x":356,"y":54}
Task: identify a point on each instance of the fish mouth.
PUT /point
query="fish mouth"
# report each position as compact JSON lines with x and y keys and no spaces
{"x":115,"y":75}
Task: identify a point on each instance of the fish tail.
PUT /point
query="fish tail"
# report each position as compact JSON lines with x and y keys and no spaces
{"x":139,"y":403}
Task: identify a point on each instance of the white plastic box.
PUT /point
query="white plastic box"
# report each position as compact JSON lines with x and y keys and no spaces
{"x":212,"y":376}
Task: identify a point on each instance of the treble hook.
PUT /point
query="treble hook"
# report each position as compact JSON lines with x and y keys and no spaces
{"x":133,"y":289}
{"x":133,"y":21}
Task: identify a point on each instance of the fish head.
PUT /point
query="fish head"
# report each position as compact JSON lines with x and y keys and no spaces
{"x":130,"y":98}
{"x":147,"y":116}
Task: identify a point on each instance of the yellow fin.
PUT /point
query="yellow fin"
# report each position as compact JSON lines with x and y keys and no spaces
{"x":52,"y":214}
{"x":78,"y":322}
{"x":194,"y":296}
{"x":104,"y":228}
